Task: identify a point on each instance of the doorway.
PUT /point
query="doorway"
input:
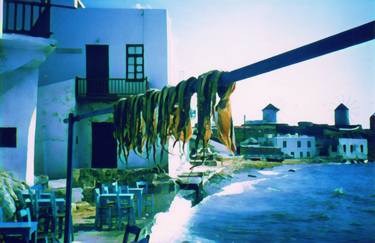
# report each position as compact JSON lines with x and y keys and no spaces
{"x":97,"y":69}
{"x":104,"y":146}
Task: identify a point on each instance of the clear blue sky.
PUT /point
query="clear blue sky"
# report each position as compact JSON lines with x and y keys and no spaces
{"x":227,"y":34}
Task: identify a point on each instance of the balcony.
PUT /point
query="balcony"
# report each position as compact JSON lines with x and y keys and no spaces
{"x":107,"y":90}
{"x":27,"y":17}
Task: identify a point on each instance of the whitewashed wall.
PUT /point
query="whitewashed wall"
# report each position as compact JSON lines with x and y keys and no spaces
{"x":292,"y":145}
{"x":73,"y":29}
{"x":55,"y":101}
{"x":356,"y":153}
{"x":20,"y":59}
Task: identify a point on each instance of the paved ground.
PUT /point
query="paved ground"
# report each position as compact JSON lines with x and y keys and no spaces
{"x":98,"y":236}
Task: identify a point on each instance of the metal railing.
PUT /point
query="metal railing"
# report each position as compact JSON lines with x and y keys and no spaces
{"x":110,"y":89}
{"x":27,"y":17}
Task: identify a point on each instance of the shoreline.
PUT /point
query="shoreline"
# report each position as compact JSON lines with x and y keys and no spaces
{"x":216,"y":182}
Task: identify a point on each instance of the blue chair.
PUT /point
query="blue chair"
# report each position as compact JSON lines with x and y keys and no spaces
{"x":131,"y":229}
{"x":104,"y":209}
{"x":123,"y":189}
{"x":23,"y":215}
{"x":124,"y":208}
{"x":148,"y":197}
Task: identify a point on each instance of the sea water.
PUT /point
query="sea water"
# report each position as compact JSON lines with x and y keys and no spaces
{"x":311,"y":203}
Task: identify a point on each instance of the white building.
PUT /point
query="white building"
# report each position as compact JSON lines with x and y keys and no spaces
{"x":112,"y":52}
{"x":20,"y":58}
{"x":352,"y":148}
{"x":297,"y":146}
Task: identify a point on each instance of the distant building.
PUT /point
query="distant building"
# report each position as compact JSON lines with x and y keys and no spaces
{"x":269,"y":113}
{"x":370,"y":135}
{"x":342,"y":116}
{"x":351,"y":148}
{"x":372,"y":122}
{"x":296,"y":146}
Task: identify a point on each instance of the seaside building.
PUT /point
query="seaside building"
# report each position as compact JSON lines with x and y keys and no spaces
{"x":370,"y":136}
{"x":24,"y":46}
{"x":102,"y":55}
{"x":351,"y":148}
{"x":296,"y":146}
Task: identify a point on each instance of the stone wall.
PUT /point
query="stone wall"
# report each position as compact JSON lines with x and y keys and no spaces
{"x":8,"y":187}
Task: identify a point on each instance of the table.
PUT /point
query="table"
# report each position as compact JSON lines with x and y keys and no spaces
{"x":26,"y":229}
{"x":138,"y":192}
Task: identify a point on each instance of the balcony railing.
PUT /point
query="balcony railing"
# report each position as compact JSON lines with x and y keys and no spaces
{"x":27,"y":17}
{"x":110,"y":89}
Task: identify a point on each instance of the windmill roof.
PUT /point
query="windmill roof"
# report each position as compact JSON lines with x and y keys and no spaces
{"x":341,"y":107}
{"x":270,"y":107}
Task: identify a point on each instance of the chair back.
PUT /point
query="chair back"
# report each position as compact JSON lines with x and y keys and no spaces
{"x":23,"y":215}
{"x":131,"y":229}
{"x":20,"y":199}
{"x":124,"y":189}
{"x":34,"y":198}
{"x":114,"y":187}
{"x":105,"y":189}
{"x":142,"y":184}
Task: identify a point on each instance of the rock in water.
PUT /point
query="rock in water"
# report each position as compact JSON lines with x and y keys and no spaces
{"x":292,"y":170}
{"x":8,"y":198}
{"x":338,"y":191}
{"x":249,"y":175}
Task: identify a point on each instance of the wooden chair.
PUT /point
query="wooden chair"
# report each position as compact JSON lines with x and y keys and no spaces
{"x":48,"y":216}
{"x":104,"y":210}
{"x":131,"y":229}
{"x":144,"y":240}
{"x":148,"y":197}
{"x":124,"y":208}
{"x":23,"y":215}
{"x":123,"y":189}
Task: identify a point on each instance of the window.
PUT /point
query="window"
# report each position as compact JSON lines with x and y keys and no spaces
{"x":8,"y":137}
{"x":301,"y":154}
{"x":351,"y":148}
{"x":298,"y":144}
{"x":134,"y":62}
{"x":344,"y":148}
{"x":292,"y":154}
{"x":308,"y":154}
{"x":361,"y":148}
{"x":309,"y":144}
{"x":284,"y":144}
